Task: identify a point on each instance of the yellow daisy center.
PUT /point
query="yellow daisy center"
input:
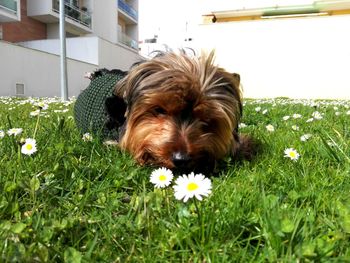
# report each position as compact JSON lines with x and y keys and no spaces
{"x":162,"y":177}
{"x":292,"y":154}
{"x":192,"y":186}
{"x":29,"y":146}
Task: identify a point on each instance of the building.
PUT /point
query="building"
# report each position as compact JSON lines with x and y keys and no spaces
{"x":99,"y":34}
{"x":288,"y":48}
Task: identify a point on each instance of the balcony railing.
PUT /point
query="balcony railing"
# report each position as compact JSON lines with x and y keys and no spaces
{"x":9,"y":5}
{"x":128,"y":41}
{"x":73,"y":13}
{"x":127,"y":9}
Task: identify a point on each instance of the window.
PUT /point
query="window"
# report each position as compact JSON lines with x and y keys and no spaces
{"x":19,"y":89}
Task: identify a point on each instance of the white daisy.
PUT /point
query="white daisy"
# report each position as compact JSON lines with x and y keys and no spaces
{"x":60,"y":111}
{"x":264,"y":111}
{"x":296,"y":116}
{"x":331,"y":144}
{"x":242,"y":125}
{"x":310,"y":120}
{"x":257,"y":109}
{"x":291,"y":153}
{"x":42,"y":105}
{"x":161,"y":177}
{"x":190,"y":186}
{"x":285,"y":118}
{"x":87,"y":137}
{"x":2,"y":134}
{"x":316,"y":115}
{"x":295,"y":128}
{"x":270,"y":128}
{"x":29,"y":147}
{"x":14,"y":131}
{"x":305,"y":137}
{"x":34,"y":113}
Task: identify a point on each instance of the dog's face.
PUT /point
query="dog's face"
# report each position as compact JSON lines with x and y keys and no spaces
{"x":182,"y":112}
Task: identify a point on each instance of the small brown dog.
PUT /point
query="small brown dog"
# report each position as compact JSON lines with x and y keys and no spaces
{"x":179,"y":111}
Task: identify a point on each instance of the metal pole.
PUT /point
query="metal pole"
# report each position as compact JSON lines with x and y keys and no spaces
{"x":64,"y":86}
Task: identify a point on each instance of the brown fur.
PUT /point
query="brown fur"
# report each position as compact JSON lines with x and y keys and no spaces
{"x":182,"y":112}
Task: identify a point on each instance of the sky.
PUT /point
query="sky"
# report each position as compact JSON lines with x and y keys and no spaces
{"x":168,"y":19}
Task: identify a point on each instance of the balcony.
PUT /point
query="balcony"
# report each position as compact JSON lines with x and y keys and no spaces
{"x":128,"y":11}
{"x":73,"y":13}
{"x":128,"y":41}
{"x":8,"y":11}
{"x":78,"y":21}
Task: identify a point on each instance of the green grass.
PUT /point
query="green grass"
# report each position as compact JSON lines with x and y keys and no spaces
{"x":77,"y":201}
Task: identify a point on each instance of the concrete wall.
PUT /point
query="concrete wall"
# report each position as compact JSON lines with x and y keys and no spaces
{"x":91,"y":50}
{"x":80,"y":48}
{"x":116,"y":56}
{"x":38,"y":71}
{"x":298,"y":58}
{"x":36,"y":7}
{"x":104,"y":20}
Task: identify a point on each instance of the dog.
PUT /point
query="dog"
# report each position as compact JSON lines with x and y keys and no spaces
{"x":179,"y":111}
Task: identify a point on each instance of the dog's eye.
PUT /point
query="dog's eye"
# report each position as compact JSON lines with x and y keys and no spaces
{"x":159,"y":111}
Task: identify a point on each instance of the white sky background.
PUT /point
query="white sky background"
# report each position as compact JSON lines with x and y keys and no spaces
{"x":168,"y":18}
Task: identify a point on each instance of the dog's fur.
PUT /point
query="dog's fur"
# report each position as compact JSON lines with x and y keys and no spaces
{"x":179,"y":111}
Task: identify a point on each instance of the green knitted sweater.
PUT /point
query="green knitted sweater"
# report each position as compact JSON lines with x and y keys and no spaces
{"x":89,"y":110}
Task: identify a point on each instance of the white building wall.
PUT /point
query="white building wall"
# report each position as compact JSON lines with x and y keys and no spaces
{"x":35,"y":7}
{"x":116,"y":56}
{"x":297,"y":58}
{"x":91,"y":50}
{"x":39,"y":72}
{"x":105,"y":21}
{"x":80,"y":48}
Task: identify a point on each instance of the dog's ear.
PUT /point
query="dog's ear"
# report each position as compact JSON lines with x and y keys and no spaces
{"x":237,"y":79}
{"x":115,"y":108}
{"x":130,"y":87}
{"x":245,"y":147}
{"x":236,"y":82}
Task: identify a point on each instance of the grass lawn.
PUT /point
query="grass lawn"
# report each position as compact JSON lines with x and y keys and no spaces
{"x":79,"y":201}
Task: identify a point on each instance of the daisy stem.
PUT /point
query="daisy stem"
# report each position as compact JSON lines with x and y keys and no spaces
{"x":200,"y":219}
{"x":9,"y":121}
{"x":19,"y":153}
{"x":166,"y":197}
{"x":36,"y":125}
{"x":167,"y":201}
{"x":197,"y":210}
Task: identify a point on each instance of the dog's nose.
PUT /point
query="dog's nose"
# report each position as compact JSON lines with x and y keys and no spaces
{"x":180,"y":160}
